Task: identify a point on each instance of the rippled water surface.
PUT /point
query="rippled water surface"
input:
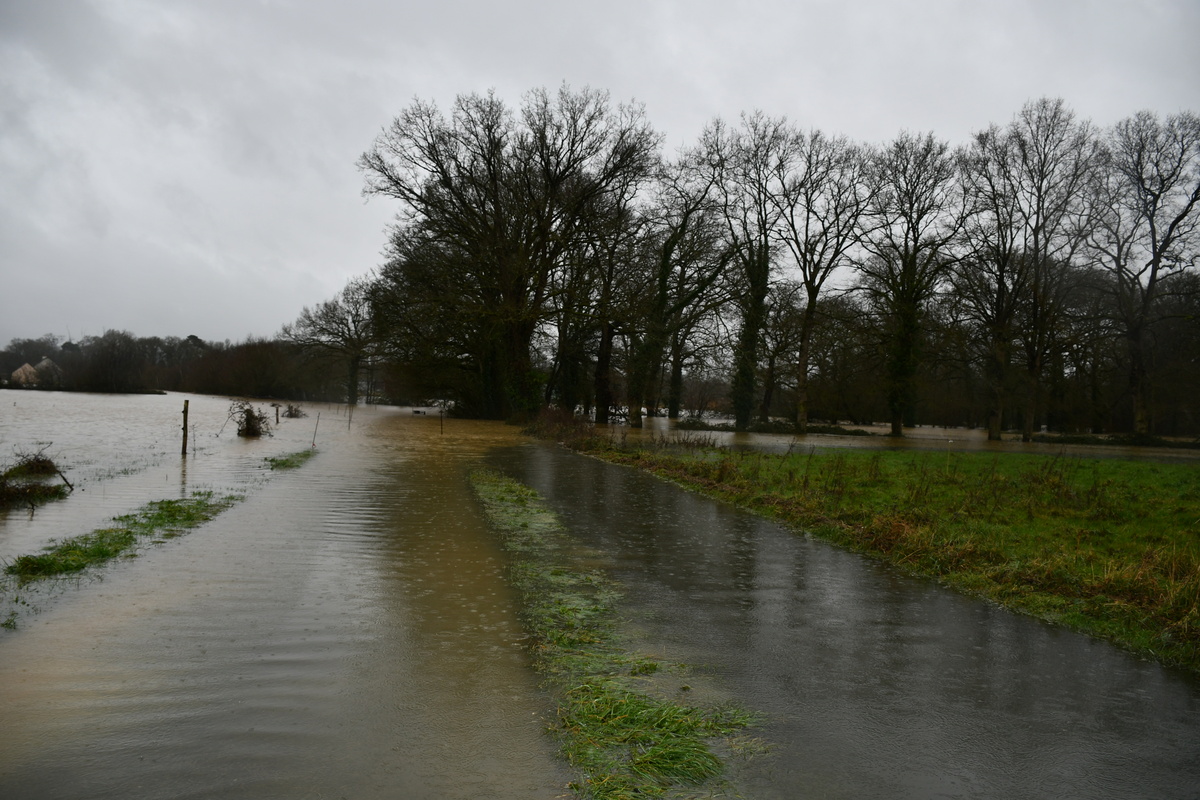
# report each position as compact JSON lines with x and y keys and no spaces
{"x":875,"y":685}
{"x":345,"y":631}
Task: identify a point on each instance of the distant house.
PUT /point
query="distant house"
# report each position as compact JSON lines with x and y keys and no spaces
{"x":46,"y":375}
{"x":26,"y":376}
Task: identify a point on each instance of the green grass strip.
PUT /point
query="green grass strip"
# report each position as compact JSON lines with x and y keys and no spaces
{"x":291,"y":460}
{"x":627,"y":742}
{"x":162,"y":518}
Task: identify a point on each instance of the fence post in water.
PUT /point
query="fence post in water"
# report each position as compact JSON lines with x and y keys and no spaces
{"x":184,"y":450}
{"x":315,"y":428}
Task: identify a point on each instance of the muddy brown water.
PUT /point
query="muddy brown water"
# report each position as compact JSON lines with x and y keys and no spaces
{"x":346,"y":631}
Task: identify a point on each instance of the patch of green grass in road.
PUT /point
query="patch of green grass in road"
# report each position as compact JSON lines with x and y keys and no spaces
{"x":627,"y":741}
{"x":162,"y":518}
{"x":291,"y":460}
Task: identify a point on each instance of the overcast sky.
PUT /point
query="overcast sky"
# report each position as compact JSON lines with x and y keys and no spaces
{"x":172,"y":168}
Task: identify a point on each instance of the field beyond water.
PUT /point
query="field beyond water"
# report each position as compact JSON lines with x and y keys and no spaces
{"x":1110,"y":547}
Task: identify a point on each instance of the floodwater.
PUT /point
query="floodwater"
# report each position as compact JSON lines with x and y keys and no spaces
{"x":923,"y":438}
{"x":346,"y":631}
{"x":874,"y":684}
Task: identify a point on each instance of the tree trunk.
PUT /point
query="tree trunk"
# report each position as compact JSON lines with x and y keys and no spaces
{"x":996,"y":370}
{"x":902,"y":366}
{"x":1033,"y":379}
{"x":1139,"y":384}
{"x":802,"y":370}
{"x":764,"y":411}
{"x":675,"y":393}
{"x":603,"y":378}
{"x":745,"y":362}
{"x":352,"y":380}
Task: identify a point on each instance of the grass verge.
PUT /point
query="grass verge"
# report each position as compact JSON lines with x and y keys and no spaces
{"x":627,"y":742}
{"x":161,"y":518}
{"x":1109,"y":547}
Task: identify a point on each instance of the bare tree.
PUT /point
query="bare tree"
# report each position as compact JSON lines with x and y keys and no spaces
{"x":823,"y":195}
{"x":501,"y":199}
{"x":914,"y":215}
{"x":1026,"y":182}
{"x":685,"y":259}
{"x":1144,"y":228}
{"x":749,"y":162}
{"x":342,"y":327}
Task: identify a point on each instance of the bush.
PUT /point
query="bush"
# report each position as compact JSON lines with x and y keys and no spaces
{"x":250,"y":421}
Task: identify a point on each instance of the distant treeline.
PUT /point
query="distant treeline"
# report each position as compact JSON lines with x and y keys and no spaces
{"x":1043,"y":275}
{"x":120,"y":362}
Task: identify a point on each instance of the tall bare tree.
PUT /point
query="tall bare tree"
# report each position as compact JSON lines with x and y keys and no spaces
{"x":749,"y":162}
{"x":342,"y":327}
{"x":1144,"y":228}
{"x":503,"y":198}
{"x":685,"y":259}
{"x":915,"y":214}
{"x":823,"y":193}
{"x":1027,"y":183}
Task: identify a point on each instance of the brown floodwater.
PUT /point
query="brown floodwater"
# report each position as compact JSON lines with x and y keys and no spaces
{"x":346,"y":631}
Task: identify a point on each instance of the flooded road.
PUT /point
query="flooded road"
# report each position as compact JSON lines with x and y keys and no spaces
{"x":875,"y":685}
{"x":345,"y":631}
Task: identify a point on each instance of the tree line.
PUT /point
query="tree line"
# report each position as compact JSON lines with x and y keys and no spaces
{"x":120,"y":362}
{"x":1043,"y":274}
{"x":551,"y":254}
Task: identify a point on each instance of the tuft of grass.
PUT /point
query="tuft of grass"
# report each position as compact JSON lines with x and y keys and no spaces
{"x":1109,"y":547}
{"x":163,"y":518}
{"x":31,"y":465}
{"x":24,"y":483}
{"x":291,"y":460}
{"x":626,"y":742}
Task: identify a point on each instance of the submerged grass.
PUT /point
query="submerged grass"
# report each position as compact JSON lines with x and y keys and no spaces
{"x":24,"y":483}
{"x":1110,"y":547}
{"x":161,"y":518}
{"x":627,"y":742}
{"x":291,"y":460}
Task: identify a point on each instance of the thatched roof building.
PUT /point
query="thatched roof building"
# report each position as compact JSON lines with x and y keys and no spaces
{"x":50,"y":375}
{"x":25,"y":375}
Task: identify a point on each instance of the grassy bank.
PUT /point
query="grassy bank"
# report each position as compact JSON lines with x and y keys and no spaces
{"x":161,"y":519}
{"x":1110,"y":547}
{"x":616,"y":724}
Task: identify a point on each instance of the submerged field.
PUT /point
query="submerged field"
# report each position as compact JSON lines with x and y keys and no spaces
{"x":1110,"y":547}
